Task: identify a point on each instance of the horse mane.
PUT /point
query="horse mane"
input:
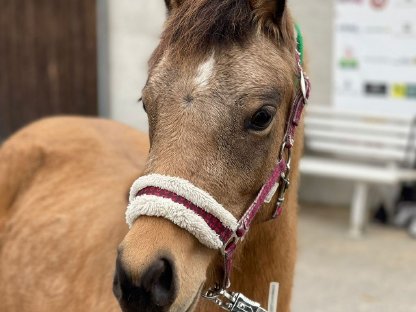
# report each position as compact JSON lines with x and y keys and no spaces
{"x":196,"y":27}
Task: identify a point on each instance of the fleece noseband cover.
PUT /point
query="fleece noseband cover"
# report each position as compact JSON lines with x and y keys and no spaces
{"x":184,"y":204}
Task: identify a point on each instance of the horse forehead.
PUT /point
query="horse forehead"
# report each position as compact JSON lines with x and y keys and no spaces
{"x":199,"y":73}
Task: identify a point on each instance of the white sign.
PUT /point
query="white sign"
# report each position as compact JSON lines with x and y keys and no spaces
{"x":375,"y":55}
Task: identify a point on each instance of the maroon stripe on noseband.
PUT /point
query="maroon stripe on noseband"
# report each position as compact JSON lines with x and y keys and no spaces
{"x":213,"y":222}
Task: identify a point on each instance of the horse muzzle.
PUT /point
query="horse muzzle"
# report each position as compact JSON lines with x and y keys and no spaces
{"x":160,"y":267}
{"x":154,"y":290}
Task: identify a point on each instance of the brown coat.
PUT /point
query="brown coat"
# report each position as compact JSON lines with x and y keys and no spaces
{"x":63,"y":192}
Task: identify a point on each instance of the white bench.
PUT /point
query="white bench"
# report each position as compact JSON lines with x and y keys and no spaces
{"x":366,"y":148}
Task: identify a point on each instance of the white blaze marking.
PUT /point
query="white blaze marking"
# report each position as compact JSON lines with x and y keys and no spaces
{"x":205,"y":71}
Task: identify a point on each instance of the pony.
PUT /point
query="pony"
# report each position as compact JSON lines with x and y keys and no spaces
{"x":219,"y":97}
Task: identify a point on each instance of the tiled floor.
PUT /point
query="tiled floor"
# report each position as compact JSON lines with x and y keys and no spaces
{"x":338,"y":274}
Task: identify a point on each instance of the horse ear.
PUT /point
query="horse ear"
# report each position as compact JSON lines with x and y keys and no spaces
{"x":271,"y":10}
{"x":273,"y":17}
{"x":280,"y":9}
{"x":173,"y":4}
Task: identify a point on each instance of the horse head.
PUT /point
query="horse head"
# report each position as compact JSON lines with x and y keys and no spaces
{"x":218,"y":95}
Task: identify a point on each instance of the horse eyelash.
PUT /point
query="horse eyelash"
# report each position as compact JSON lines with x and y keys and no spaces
{"x":144,"y":106}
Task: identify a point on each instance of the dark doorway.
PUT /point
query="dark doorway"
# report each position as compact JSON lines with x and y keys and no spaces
{"x":48,"y":60}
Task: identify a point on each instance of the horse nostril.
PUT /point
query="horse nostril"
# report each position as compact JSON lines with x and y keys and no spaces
{"x":121,"y":282}
{"x":154,"y":290}
{"x":159,"y":281}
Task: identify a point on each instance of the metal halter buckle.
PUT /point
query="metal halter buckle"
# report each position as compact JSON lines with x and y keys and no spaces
{"x":233,"y":239}
{"x":285,"y":182}
{"x":232,"y":302}
{"x":284,"y":148}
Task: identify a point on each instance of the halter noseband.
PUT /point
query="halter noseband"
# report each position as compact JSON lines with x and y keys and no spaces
{"x":196,"y":211}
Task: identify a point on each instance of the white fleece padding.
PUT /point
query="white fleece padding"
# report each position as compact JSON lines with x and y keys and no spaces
{"x":151,"y":205}
{"x":189,"y":191}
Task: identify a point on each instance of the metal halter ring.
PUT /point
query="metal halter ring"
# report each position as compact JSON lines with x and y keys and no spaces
{"x":289,"y":154}
{"x":233,"y":239}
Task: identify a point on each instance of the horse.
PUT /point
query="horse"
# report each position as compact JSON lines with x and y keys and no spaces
{"x":221,"y":88}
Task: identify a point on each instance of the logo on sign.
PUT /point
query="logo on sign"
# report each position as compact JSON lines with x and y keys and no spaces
{"x":375,"y":88}
{"x":398,"y":90}
{"x":349,"y":60}
{"x":403,"y":91}
{"x":378,"y":4}
{"x":411,"y":91}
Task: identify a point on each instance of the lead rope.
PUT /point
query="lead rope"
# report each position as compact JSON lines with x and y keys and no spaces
{"x":278,"y":181}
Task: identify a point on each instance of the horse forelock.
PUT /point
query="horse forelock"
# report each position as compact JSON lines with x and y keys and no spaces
{"x":197,"y":28}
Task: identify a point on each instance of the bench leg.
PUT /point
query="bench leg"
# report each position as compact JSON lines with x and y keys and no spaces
{"x":358,"y":209}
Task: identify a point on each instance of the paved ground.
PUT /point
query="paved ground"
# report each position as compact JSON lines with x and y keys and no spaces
{"x":338,"y":274}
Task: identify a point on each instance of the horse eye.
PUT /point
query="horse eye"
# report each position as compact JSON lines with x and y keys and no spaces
{"x":262,"y":118}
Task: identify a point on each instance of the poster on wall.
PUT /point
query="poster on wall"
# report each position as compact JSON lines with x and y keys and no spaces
{"x":375,"y":55}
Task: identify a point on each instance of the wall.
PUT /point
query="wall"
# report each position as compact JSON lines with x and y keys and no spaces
{"x":317,"y":23}
{"x":129,"y":32}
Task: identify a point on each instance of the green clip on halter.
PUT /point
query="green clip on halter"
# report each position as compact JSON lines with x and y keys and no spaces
{"x":300,"y":42}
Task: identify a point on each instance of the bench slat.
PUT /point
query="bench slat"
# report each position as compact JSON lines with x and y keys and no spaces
{"x":355,"y":126}
{"x":344,"y":113}
{"x":354,"y":171}
{"x":347,"y":136}
{"x":370,"y":152}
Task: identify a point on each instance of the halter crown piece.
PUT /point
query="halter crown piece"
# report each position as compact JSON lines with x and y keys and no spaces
{"x":196,"y":211}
